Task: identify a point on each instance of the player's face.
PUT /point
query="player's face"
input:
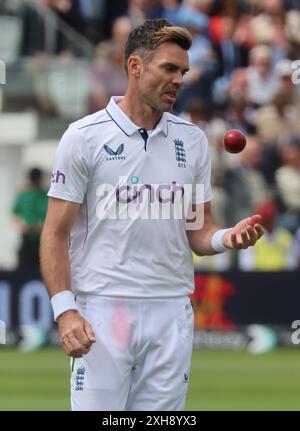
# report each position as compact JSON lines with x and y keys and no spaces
{"x":162,"y":76}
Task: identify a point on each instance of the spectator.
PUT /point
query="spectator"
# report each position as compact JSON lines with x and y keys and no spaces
{"x":292,"y":5}
{"x":36,"y":20}
{"x":237,"y":115}
{"x":220,"y":165}
{"x":292,"y":28}
{"x":93,"y":14}
{"x":277,"y":118}
{"x":268,"y":27}
{"x":296,"y":247}
{"x":198,"y":113}
{"x":281,"y":115}
{"x":258,"y":82}
{"x":288,"y":181}
{"x":198,"y":80}
{"x":108,"y":73}
{"x":170,"y":10}
{"x":230,"y":55}
{"x":273,"y":252}
{"x":244,"y":183}
{"x":29,"y":212}
{"x":138,"y":11}
{"x":114,"y":9}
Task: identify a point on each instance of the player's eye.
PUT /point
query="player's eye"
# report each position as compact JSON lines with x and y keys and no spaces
{"x":170,"y":68}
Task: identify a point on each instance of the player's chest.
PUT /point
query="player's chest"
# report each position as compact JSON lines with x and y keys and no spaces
{"x":153,"y":161}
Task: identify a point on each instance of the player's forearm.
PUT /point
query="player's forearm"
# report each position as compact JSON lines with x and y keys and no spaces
{"x":55,"y":264}
{"x":201,"y":240}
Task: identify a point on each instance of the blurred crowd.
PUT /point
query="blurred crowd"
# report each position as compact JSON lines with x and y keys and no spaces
{"x":243,"y":74}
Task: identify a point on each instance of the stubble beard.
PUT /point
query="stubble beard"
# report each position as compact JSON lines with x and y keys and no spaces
{"x":158,"y":105}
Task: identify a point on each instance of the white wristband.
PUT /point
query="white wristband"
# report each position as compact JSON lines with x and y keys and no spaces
{"x":217,"y":240}
{"x":63,"y":301}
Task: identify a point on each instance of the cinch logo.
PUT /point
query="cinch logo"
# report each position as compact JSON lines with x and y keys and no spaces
{"x":164,"y":193}
{"x":128,"y":199}
{"x":57,"y":177}
{"x":115,"y":155}
{"x":180,"y":153}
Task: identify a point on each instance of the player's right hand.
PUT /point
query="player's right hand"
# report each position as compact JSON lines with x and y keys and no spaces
{"x":75,"y":333}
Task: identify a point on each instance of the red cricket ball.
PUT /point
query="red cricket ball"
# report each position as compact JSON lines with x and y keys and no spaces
{"x":234,"y":141}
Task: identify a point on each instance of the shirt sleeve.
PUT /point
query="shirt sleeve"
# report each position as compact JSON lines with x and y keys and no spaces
{"x":202,"y":181}
{"x":71,"y":170}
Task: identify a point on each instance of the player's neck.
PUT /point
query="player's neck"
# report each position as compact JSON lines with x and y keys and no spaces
{"x":140,"y":114}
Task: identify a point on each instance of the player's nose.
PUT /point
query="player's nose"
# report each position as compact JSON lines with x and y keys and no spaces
{"x":178,"y":79}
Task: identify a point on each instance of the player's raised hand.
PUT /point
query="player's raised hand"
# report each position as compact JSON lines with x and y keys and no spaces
{"x":244,"y":234}
{"x":75,"y":333}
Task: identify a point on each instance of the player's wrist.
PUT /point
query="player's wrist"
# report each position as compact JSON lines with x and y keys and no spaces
{"x":70,"y":312}
{"x":62,"y":302}
{"x":217,"y":240}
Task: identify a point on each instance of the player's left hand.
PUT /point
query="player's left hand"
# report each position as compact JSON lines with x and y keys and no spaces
{"x":244,"y":234}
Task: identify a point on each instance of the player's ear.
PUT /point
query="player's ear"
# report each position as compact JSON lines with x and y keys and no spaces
{"x":134,"y":65}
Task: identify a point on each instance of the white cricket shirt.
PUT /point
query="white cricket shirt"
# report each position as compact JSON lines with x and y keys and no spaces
{"x":116,"y":255}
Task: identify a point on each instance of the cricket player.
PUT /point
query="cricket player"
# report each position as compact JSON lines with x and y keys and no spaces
{"x":115,"y":255}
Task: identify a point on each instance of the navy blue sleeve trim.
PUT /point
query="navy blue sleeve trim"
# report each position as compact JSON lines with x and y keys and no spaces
{"x":87,"y":222}
{"x":93,"y":124}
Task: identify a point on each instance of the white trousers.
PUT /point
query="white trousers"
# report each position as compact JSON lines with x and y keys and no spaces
{"x":141,"y":357}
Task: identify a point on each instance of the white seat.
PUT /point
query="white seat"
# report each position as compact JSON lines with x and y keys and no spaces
{"x":69,"y":87}
{"x":10,"y":36}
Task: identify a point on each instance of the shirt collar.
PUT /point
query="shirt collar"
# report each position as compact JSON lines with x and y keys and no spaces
{"x":124,"y":122}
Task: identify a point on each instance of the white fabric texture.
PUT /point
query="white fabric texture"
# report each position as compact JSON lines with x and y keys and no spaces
{"x":129,"y":257}
{"x":133,"y":365}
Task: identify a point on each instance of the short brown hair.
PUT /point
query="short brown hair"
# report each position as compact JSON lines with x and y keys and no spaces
{"x":153,"y":33}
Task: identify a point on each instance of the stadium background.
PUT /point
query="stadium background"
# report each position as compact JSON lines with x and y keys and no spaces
{"x":62,"y":59}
